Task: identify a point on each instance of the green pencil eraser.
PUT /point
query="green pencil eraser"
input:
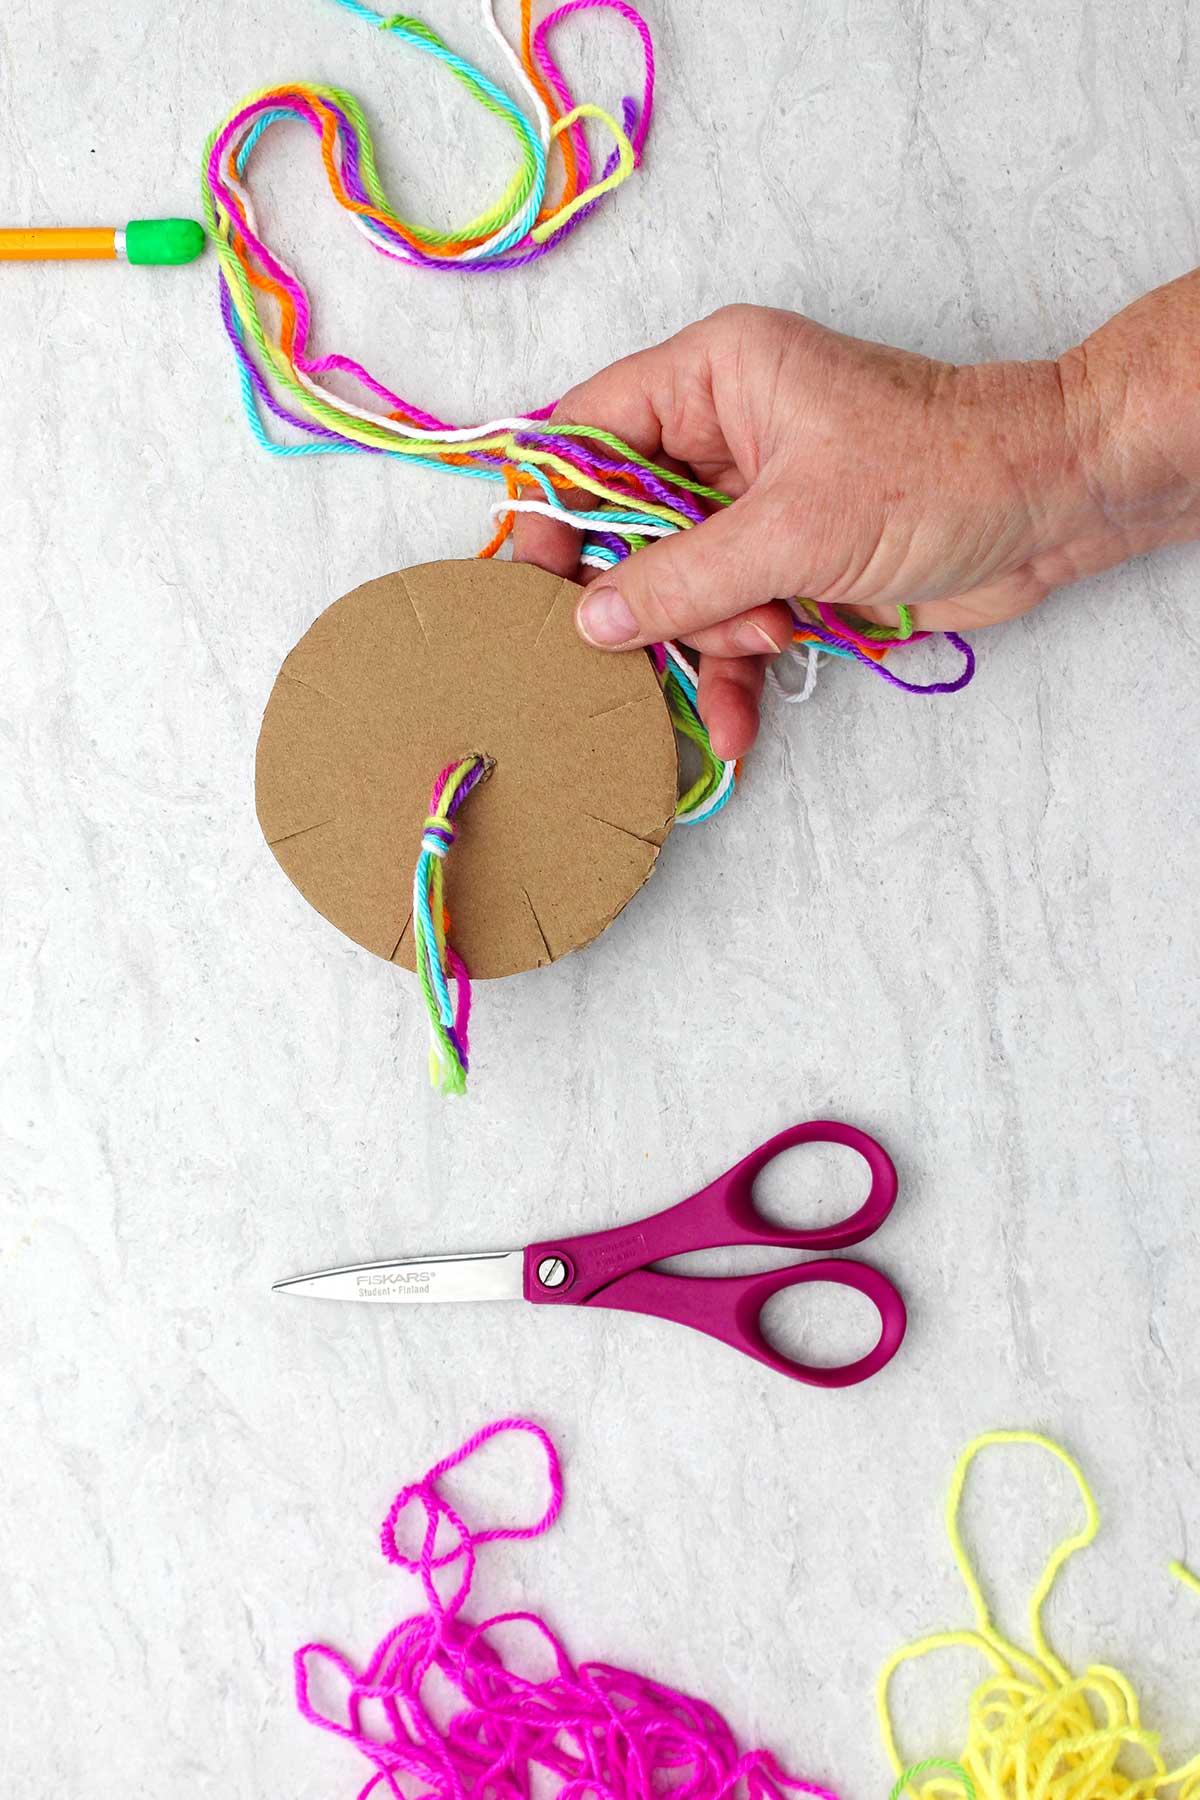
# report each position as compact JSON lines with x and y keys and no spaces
{"x":163,"y":240}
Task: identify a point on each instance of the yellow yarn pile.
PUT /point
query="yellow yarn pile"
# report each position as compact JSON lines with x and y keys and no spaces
{"x":1036,"y":1731}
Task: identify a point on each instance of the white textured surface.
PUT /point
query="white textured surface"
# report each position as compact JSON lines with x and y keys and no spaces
{"x":968,"y":925}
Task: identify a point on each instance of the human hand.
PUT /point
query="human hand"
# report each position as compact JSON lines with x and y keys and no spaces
{"x":861,"y":475}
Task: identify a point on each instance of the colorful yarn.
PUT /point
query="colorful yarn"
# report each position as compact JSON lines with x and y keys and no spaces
{"x":452,"y":1711}
{"x":1035,"y":1731}
{"x":437,"y":962}
{"x":628,"y":499}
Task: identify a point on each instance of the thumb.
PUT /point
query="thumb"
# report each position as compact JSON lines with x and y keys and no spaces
{"x":683,"y":583}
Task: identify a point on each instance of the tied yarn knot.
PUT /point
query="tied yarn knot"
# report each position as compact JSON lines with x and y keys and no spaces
{"x":455,"y":1718}
{"x":439,"y":835}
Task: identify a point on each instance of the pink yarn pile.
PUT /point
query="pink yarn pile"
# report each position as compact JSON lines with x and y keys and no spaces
{"x":449,"y":1716}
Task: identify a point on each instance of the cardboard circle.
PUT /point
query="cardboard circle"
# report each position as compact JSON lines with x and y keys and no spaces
{"x":417,"y":669}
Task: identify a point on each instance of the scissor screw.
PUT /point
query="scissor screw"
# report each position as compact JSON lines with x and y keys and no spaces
{"x":552,"y":1271}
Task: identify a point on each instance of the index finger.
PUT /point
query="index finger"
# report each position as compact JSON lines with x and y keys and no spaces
{"x":618,"y":399}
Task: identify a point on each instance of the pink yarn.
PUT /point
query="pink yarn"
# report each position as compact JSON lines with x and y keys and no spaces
{"x":553,"y":75}
{"x":455,"y":1721}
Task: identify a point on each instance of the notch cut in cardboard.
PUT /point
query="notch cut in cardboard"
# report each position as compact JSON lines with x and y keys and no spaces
{"x":417,"y":669}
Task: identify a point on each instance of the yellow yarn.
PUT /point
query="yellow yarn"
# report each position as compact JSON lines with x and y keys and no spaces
{"x":1035,"y":1731}
{"x":1185,"y":1575}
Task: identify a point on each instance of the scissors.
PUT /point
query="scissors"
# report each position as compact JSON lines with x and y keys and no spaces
{"x":613,"y":1269}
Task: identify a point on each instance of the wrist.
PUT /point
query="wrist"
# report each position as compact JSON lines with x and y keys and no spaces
{"x":1036,"y":471}
{"x":1131,"y":406}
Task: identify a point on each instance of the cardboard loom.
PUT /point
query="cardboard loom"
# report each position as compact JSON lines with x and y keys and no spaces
{"x":419,"y":669}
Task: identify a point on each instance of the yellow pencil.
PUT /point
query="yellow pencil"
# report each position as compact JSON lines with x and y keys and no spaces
{"x":141,"y":241}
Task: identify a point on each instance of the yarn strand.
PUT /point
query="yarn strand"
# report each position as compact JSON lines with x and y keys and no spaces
{"x":267,"y":317}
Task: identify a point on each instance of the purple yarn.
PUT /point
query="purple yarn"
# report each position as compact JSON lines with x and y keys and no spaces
{"x":601,"y":462}
{"x":609,"y":541}
{"x":826,"y":636}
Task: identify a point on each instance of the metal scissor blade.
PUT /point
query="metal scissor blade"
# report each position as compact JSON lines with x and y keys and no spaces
{"x":499,"y":1275}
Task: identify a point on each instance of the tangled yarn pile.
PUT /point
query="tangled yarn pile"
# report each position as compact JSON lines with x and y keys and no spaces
{"x":620,"y":500}
{"x":440,"y":1710}
{"x":455,"y":1719}
{"x":1035,"y":1730}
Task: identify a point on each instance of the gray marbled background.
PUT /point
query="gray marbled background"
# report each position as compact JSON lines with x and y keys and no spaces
{"x":966,"y":924}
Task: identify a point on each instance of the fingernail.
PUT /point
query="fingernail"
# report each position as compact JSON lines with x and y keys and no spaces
{"x":755,"y":639}
{"x":604,"y":618}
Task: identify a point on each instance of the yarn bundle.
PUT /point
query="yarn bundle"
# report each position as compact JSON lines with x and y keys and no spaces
{"x":438,"y":963}
{"x":456,"y":1718}
{"x":1035,"y":1729}
{"x":583,"y":476}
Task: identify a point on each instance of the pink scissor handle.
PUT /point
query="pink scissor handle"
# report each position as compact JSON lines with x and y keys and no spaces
{"x":730,"y":1307}
{"x":609,"y":1268}
{"x":729,"y":1200}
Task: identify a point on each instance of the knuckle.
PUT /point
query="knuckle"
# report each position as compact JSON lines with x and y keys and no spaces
{"x":735,"y":315}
